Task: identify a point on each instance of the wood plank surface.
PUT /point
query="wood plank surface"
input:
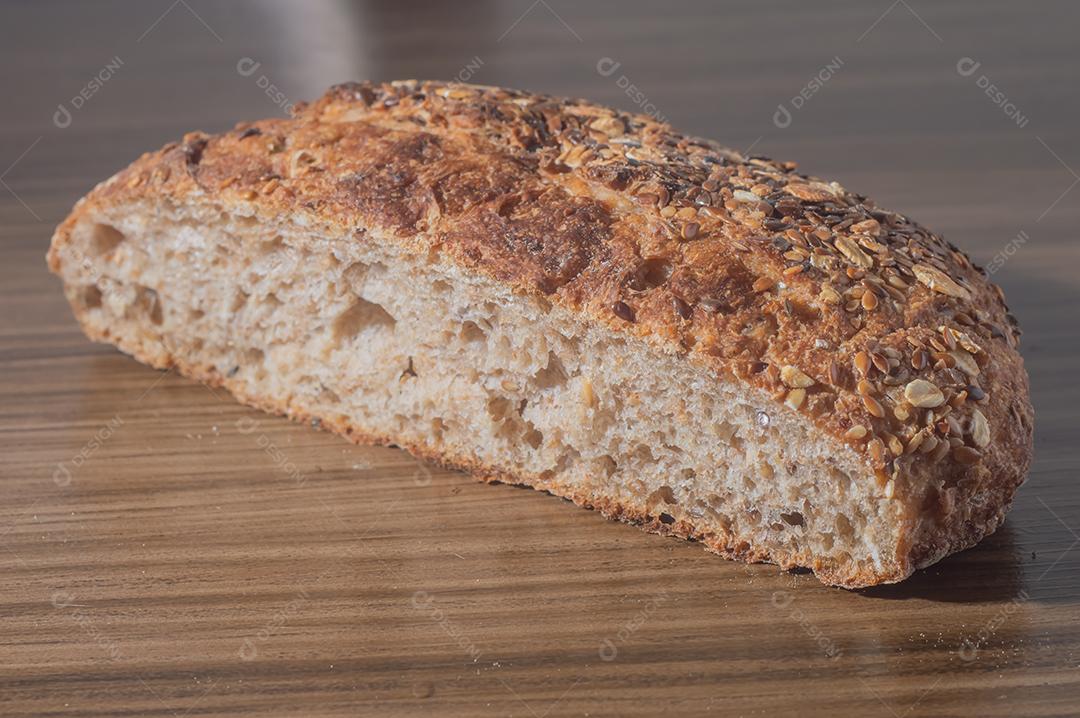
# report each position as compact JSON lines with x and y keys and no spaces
{"x":165,"y":551}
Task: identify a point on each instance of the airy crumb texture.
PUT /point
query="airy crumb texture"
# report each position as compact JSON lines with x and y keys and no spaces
{"x":549,"y":292}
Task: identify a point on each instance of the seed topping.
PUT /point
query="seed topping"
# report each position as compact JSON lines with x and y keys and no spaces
{"x":923,"y":394}
{"x":794,"y":377}
{"x":623,"y":311}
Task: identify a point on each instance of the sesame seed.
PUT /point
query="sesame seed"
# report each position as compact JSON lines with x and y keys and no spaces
{"x":940,"y":451}
{"x":938,"y":281}
{"x":623,"y":311}
{"x":965,"y":362}
{"x":763,"y":284}
{"x":795,"y":398}
{"x":854,"y":254}
{"x":794,"y":377}
{"x":829,"y":295}
{"x":856,"y":432}
{"x":712,"y":304}
{"x":834,"y":373}
{"x":681,"y":308}
{"x":868,"y":226}
{"x":874,"y":406}
{"x":966,"y":455}
{"x":980,"y":429}
{"x":862,"y":363}
{"x":877,"y":450}
{"x":915,"y":442}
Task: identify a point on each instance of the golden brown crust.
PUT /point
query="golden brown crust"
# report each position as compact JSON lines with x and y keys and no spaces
{"x":882,"y":334}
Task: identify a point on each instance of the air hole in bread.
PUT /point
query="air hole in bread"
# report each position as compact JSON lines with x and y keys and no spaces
{"x":105,"y":238}
{"x":471,"y":331}
{"x":360,"y":316}
{"x":843,"y":527}
{"x":551,"y":376}
{"x":650,"y":274}
{"x":91,"y":297}
{"x":239,"y":299}
{"x":354,"y":275}
{"x":274,"y":244}
{"x":149,"y":304}
{"x":252,"y":358}
{"x":725,"y":430}
{"x":803,"y":311}
{"x":793,"y":518}
{"x":839,"y":479}
{"x":664,"y":494}
{"x":607,"y":466}
{"x":533,"y":436}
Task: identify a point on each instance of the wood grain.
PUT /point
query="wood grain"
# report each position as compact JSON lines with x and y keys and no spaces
{"x":168,"y":552}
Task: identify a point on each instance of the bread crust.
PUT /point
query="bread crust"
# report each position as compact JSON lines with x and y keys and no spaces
{"x":881,"y":334}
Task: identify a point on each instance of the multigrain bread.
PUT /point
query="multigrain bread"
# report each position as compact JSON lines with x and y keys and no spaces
{"x":549,"y":292}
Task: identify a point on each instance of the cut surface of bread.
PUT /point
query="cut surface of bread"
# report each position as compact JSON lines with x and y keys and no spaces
{"x":552,"y":293}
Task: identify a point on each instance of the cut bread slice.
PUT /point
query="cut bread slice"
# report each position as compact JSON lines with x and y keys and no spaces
{"x":436,"y":290}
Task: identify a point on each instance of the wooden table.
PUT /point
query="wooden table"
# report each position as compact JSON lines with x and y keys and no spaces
{"x":165,"y":551}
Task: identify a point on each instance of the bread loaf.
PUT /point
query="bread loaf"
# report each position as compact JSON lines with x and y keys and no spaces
{"x":548,"y":292}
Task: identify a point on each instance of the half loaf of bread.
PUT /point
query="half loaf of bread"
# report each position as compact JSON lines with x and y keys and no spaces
{"x":548,"y":292}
